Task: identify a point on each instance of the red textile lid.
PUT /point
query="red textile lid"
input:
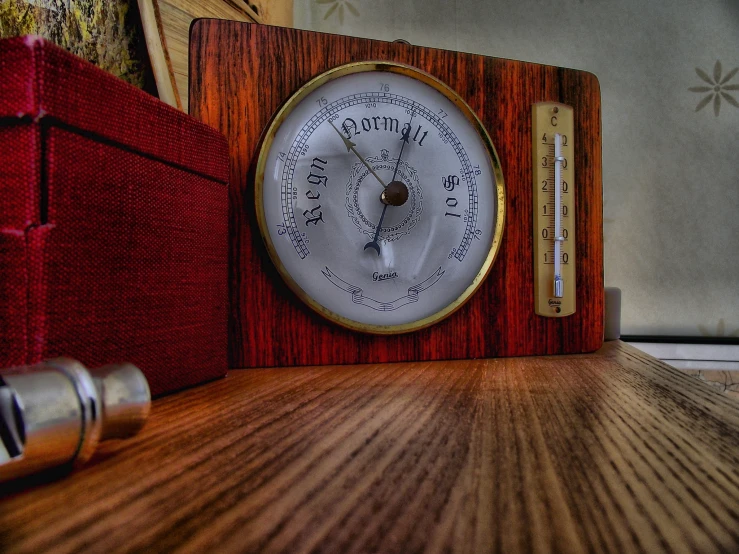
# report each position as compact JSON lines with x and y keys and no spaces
{"x":39,"y":79}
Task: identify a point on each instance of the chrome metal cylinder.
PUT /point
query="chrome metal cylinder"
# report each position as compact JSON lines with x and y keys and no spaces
{"x":56,"y":413}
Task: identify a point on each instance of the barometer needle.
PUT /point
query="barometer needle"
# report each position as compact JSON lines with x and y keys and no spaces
{"x":398,"y":192}
{"x":374,"y":244}
{"x":404,"y":138}
{"x":350,"y":147}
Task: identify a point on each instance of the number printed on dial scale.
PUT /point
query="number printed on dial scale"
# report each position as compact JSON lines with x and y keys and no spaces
{"x":380,"y":198}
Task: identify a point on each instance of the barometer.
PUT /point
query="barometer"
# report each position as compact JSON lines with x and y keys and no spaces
{"x":379,"y":197}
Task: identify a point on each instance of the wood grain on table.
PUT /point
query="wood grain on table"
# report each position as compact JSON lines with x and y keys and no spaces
{"x":612,"y":451}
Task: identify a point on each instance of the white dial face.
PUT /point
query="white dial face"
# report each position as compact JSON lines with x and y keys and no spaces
{"x":379,"y":199}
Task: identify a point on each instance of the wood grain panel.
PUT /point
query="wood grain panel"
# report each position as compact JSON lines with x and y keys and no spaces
{"x":241,"y":74}
{"x":606,"y":452}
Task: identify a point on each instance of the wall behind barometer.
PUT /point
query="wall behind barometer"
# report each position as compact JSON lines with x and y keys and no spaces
{"x":670,"y":93}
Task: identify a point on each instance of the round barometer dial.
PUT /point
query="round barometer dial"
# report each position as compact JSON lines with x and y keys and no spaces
{"x":379,"y":197}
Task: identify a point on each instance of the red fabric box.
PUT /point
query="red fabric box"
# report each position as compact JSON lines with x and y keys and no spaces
{"x":113,"y":223}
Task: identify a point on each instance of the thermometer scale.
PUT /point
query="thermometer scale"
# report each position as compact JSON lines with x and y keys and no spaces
{"x":554,"y":221}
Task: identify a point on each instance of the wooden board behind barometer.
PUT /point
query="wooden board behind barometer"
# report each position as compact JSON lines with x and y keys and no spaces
{"x":255,"y":82}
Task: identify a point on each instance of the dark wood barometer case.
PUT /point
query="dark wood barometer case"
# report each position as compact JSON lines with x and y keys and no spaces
{"x":242,"y":74}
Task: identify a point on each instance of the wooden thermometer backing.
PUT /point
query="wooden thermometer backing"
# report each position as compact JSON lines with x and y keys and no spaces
{"x":240,"y":75}
{"x":552,"y":143}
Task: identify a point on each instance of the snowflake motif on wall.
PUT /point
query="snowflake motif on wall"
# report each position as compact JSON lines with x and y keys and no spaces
{"x":338,"y":6}
{"x":722,"y":380}
{"x":717,"y":90}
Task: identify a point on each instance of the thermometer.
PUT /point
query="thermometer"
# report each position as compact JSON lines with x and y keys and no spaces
{"x":554,"y":221}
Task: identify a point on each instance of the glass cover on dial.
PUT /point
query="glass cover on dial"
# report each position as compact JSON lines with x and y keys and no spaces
{"x":379,"y":197}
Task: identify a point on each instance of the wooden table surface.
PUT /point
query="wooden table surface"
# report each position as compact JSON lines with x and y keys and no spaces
{"x":612,"y":451}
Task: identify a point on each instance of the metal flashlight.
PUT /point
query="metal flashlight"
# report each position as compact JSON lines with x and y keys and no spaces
{"x":57,"y":412}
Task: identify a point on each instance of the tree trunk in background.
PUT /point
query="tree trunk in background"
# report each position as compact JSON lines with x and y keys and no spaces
{"x":104,"y":32}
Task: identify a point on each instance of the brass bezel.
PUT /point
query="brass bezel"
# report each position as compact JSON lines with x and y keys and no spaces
{"x":266,"y":144}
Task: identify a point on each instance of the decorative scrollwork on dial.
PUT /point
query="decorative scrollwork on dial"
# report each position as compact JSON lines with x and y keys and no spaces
{"x":406,"y":216}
